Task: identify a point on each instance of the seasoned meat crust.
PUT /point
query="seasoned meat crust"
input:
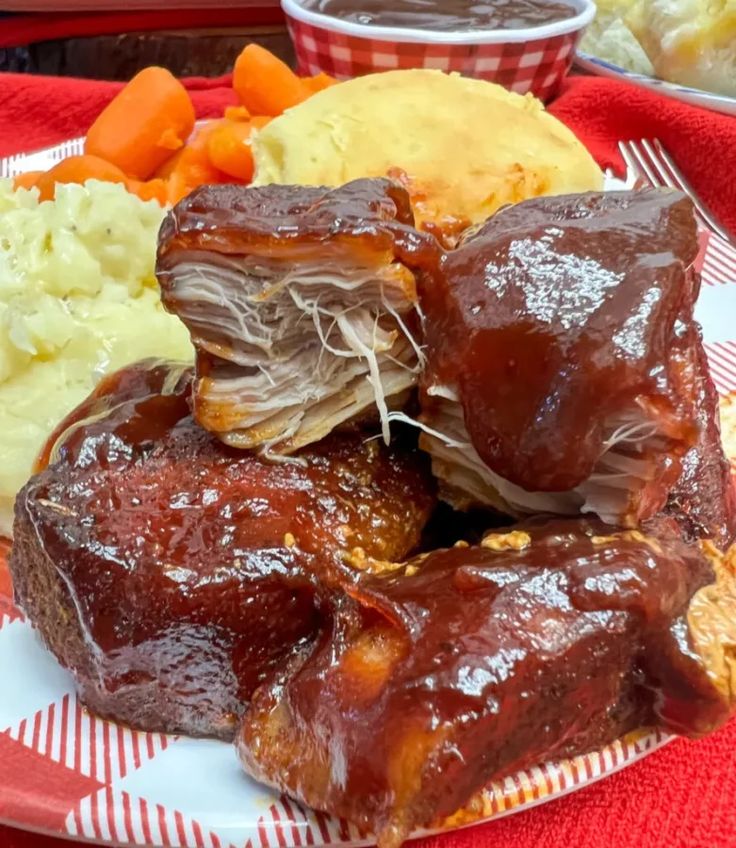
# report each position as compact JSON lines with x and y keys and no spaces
{"x":562,"y":356}
{"x":468,"y":664}
{"x":301,"y":303}
{"x":171,"y":573}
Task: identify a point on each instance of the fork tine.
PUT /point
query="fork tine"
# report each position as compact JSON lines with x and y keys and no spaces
{"x":641,"y":158}
{"x":677,"y":174}
{"x":674,"y":176}
{"x":681,"y":182}
{"x":653,"y":165}
{"x":630,"y":177}
{"x":632,"y":166}
{"x":667,"y":161}
{"x":658,"y":164}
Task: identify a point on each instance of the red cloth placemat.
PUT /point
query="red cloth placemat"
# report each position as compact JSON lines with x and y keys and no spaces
{"x":37,"y":111}
{"x":680,"y":797}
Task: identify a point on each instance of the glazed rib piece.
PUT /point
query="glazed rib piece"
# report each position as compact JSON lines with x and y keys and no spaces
{"x":564,"y":360}
{"x":565,"y":375}
{"x":468,"y":664}
{"x":703,"y":500}
{"x":171,"y":573}
{"x":301,"y":305}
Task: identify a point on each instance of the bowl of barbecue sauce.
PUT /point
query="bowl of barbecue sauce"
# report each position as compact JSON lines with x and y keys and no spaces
{"x":524,"y":45}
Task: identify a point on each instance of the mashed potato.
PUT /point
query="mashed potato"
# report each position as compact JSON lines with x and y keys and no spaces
{"x":467,"y":146}
{"x":78,"y":298}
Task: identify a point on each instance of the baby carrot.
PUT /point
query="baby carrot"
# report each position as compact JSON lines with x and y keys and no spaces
{"x":77,"y":169}
{"x":192,"y":164}
{"x":176,"y":189}
{"x":229,"y":149}
{"x":144,"y":124}
{"x":265,"y":84}
{"x":154,"y":189}
{"x":319,"y":82}
{"x":27,"y":180}
{"x":237,"y":113}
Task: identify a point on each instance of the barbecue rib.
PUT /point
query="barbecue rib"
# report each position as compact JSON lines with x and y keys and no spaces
{"x":471,"y":663}
{"x":565,"y":370}
{"x":301,"y":305}
{"x":703,"y":500}
{"x":171,"y":573}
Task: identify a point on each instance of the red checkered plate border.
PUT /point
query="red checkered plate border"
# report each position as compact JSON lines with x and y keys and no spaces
{"x":64,"y":771}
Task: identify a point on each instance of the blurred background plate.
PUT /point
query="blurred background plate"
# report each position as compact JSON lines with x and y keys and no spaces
{"x":694,"y":96}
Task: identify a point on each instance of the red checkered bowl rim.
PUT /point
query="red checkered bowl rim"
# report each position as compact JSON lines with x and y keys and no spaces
{"x":585,"y":14}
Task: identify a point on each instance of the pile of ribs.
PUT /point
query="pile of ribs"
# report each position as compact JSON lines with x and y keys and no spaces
{"x":418,"y":517}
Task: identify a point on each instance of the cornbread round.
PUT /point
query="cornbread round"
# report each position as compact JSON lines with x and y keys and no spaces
{"x":465,"y":146}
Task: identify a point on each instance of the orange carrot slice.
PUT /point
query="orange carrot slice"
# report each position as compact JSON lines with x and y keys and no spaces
{"x":148,"y":120}
{"x":260,"y":121}
{"x":27,"y":180}
{"x":192,"y":163}
{"x":229,"y":150}
{"x":265,"y":84}
{"x":191,"y":166}
{"x":319,"y":82}
{"x":77,"y":169}
{"x":155,"y":189}
{"x":237,"y":113}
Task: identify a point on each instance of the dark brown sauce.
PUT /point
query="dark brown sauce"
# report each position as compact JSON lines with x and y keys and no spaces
{"x":185,"y":571}
{"x":369,"y":216}
{"x":558,"y":313}
{"x":446,"y":16}
{"x":474,"y":662}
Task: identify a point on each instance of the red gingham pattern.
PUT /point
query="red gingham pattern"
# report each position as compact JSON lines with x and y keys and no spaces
{"x":536,"y":66}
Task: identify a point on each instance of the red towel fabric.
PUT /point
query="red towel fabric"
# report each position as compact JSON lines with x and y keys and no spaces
{"x":701,"y":142}
{"x":36,"y":112}
{"x":679,"y":797}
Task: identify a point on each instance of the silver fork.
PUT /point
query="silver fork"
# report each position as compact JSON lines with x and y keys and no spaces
{"x":650,"y":162}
